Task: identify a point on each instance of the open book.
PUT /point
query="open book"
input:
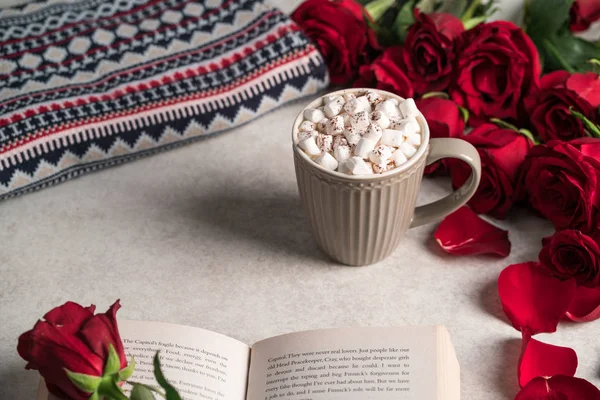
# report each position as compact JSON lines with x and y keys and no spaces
{"x":416,"y":363}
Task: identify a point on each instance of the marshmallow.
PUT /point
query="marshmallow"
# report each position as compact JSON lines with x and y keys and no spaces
{"x":313,"y":115}
{"x":358,"y":166}
{"x":329,"y":98}
{"x":409,"y":109}
{"x":327,"y":160}
{"x":366,"y":103}
{"x":342,"y":153}
{"x":407,"y":149}
{"x":364,"y":147}
{"x":360,"y":120}
{"x":414,"y":139}
{"x":303,"y":135}
{"x":339,"y":140}
{"x":380,"y":154}
{"x":349,"y":96}
{"x":388,"y":108}
{"x":394,"y":100}
{"x":381,"y":168}
{"x":380,"y":119}
{"x":408,"y":126}
{"x":335,"y":125}
{"x":309,"y":145}
{"x":325,"y":142}
{"x":307,"y":126}
{"x":347,"y":119}
{"x":392,"y":137}
{"x":332,"y":109}
{"x":354,"y":106}
{"x":352,"y":135}
{"x":373,"y":132}
{"x":399,"y":158}
{"x":322,"y":124}
{"x":373,"y":97}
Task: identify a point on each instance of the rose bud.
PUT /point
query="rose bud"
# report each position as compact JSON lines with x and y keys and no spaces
{"x":502,"y":153}
{"x":72,"y":343}
{"x":445,"y":120}
{"x":548,"y":107}
{"x":340,"y":32}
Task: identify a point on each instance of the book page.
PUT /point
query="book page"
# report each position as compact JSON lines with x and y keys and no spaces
{"x":202,"y":365}
{"x":349,"y":364}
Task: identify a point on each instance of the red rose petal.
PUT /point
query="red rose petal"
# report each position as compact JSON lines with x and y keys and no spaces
{"x":559,"y":387}
{"x":463,"y":233}
{"x":586,"y":86}
{"x":542,"y":359}
{"x":534,"y":300}
{"x":585,"y":306}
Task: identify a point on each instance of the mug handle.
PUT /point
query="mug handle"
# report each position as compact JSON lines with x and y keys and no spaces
{"x":450,"y":148}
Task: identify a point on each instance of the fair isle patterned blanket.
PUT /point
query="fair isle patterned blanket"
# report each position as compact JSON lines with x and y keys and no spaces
{"x":86,"y":84}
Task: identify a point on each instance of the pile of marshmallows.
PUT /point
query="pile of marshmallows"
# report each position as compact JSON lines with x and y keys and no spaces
{"x":360,"y":135}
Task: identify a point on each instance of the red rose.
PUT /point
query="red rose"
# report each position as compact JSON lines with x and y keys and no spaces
{"x":583,"y":14}
{"x":573,"y":254}
{"x":444,"y":120}
{"x":497,"y":64}
{"x":561,"y":181}
{"x":385,"y":73}
{"x":548,"y":107}
{"x":502,"y":152}
{"x":339,"y":30}
{"x":428,"y":52}
{"x":73,"y":338}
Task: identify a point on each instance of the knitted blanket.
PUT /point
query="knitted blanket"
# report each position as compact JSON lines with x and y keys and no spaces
{"x":86,"y":84}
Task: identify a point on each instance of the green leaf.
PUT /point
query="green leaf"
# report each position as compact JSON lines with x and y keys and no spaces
{"x":126,"y":372}
{"x":470,"y":12}
{"x":527,"y":133}
{"x":141,"y":392}
{"x":85,"y":383}
{"x":442,"y":95}
{"x":504,"y":124}
{"x":473,"y":22}
{"x":170,"y":391}
{"x":546,"y":17}
{"x":465,"y":113}
{"x":95,"y":396}
{"x":427,"y":6}
{"x":572,"y":50}
{"x":403,"y":21}
{"x":591,"y":127}
{"x":109,"y":389}
{"x":454,"y":7}
{"x":377,"y":8}
{"x":113,"y":363}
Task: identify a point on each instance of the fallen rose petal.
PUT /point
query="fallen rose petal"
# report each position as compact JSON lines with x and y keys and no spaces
{"x":559,"y":387}
{"x":463,"y":233}
{"x":585,"y":306}
{"x":534,"y":300}
{"x":542,"y":359}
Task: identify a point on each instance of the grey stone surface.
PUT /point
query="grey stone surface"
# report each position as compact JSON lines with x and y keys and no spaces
{"x":187,"y":237}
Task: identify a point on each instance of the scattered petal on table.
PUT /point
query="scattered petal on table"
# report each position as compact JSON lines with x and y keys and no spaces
{"x":542,"y":359}
{"x":463,"y":232}
{"x":585,"y":306}
{"x":559,"y":387}
{"x":534,"y":300}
